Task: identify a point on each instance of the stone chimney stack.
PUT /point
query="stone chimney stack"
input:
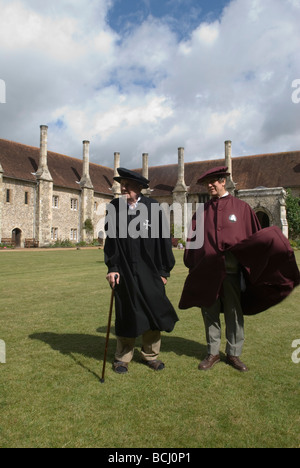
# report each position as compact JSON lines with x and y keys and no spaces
{"x":230,"y":185}
{"x":145,"y":165}
{"x":44,"y":194}
{"x":145,"y":173}
{"x":87,"y":197}
{"x":180,"y":185}
{"x":116,"y":189}
{"x":43,"y":171}
{"x":180,"y":192}
{"x":228,"y":155}
{"x":86,"y":179}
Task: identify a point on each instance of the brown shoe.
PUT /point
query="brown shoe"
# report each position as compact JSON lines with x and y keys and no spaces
{"x":236,"y":363}
{"x":209,"y":362}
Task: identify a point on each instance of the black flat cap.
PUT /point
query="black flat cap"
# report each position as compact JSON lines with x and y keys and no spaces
{"x":214,"y":173}
{"x":131,"y":175}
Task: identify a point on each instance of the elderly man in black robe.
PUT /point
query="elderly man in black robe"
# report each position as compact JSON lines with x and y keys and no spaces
{"x":139,"y":257}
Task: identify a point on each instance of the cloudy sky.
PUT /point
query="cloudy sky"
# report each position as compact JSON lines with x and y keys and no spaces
{"x":138,"y":76}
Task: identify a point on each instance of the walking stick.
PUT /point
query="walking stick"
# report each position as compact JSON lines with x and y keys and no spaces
{"x":108,"y":329}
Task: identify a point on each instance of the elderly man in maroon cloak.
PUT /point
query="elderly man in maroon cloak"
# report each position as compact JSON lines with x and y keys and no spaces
{"x":240,"y":269}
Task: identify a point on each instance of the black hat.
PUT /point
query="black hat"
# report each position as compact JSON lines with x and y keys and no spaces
{"x":216,"y":172}
{"x":131,"y":175}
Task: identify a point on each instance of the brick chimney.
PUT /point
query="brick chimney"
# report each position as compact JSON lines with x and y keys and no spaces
{"x":43,"y":172}
{"x":86,"y":179}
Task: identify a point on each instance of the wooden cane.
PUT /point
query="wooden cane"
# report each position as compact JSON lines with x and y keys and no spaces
{"x":108,"y":330}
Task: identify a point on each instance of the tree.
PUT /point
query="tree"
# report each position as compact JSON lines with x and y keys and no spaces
{"x":293,"y":215}
{"x":88,"y":225}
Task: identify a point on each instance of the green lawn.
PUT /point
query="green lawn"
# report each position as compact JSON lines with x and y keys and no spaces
{"x":53,"y":316}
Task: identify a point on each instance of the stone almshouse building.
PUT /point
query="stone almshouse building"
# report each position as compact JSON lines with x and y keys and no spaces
{"x":45,"y":196}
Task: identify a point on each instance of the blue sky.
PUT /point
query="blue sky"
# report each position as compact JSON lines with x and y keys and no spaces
{"x":149,"y":76}
{"x":181,"y":15}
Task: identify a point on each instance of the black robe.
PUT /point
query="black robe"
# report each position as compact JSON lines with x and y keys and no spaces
{"x":141,"y":301}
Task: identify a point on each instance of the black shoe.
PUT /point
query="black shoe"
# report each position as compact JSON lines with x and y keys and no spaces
{"x":155,"y":365}
{"x":120,"y":367}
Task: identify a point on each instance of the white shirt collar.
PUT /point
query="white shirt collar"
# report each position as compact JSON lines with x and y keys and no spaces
{"x":134,"y":205}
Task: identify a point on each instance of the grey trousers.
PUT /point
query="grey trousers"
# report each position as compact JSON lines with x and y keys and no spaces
{"x":230,"y":305}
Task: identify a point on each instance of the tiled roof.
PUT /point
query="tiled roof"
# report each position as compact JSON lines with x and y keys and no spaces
{"x":21,"y":162}
{"x":265,"y":170}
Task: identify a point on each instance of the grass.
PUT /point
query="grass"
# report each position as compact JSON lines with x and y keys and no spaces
{"x":53,"y":316}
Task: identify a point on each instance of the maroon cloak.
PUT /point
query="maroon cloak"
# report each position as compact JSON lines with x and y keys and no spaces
{"x":270,"y":269}
{"x":269,"y":265}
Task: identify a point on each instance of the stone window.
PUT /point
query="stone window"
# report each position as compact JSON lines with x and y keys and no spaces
{"x":73,"y":235}
{"x":8,"y":195}
{"x":55,"y":201}
{"x":26,"y":198}
{"x":74,"y":204}
{"x":54,"y":233}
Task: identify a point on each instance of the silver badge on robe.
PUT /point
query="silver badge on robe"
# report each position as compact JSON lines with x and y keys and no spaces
{"x":233,"y":218}
{"x":147,"y":225}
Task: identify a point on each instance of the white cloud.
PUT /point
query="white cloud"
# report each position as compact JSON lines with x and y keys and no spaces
{"x":207,"y":33}
{"x":232,"y":79}
{"x":23,"y":29}
{"x":124,"y":113}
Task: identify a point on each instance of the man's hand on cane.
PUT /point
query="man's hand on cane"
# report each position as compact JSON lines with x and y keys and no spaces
{"x":113,"y":279}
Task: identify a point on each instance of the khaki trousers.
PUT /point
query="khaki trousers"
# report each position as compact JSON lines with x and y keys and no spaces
{"x":150,"y":347}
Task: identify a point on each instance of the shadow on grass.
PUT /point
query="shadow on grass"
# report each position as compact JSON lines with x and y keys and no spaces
{"x":74,"y":344}
{"x":93,"y":346}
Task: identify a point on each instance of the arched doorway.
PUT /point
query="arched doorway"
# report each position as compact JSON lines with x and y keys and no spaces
{"x":16,"y":237}
{"x":263,"y":219}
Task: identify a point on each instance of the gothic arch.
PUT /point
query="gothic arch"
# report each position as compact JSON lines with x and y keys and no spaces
{"x":16,"y":236}
{"x":264,"y":216}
